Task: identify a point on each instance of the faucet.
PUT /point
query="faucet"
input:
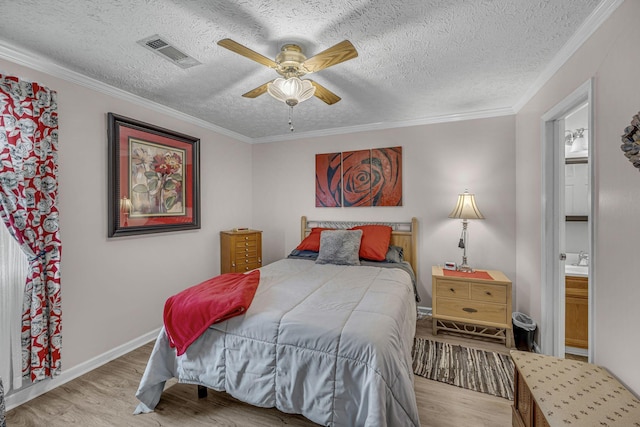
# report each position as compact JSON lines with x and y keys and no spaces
{"x":583,"y":258}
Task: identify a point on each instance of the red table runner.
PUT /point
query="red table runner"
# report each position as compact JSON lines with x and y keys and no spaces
{"x":475,"y":275}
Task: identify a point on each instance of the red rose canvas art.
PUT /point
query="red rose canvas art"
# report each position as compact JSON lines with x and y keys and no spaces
{"x":328,"y":180}
{"x":359,"y":178}
{"x":356,"y":178}
{"x":386,"y":176}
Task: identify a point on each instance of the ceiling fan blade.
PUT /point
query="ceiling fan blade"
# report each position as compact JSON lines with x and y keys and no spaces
{"x":236,"y":47}
{"x":336,"y":54}
{"x":325,"y":94}
{"x":254,"y":93}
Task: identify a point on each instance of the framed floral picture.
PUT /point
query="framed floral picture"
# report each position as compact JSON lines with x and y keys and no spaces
{"x":154,"y":178}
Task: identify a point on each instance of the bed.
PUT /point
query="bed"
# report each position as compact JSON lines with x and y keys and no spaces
{"x":328,"y":340}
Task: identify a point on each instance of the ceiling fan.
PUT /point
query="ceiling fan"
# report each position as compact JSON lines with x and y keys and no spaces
{"x":291,"y":62}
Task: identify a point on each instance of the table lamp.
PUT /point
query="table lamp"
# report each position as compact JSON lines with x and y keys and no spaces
{"x":465,"y":209}
{"x":125,"y":208}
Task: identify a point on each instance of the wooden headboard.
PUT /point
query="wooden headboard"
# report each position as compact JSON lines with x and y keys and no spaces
{"x":404,"y":234}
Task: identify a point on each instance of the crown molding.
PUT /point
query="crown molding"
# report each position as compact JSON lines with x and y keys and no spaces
{"x":484,"y":114}
{"x":38,"y":63}
{"x":588,"y":27}
{"x":32,"y":61}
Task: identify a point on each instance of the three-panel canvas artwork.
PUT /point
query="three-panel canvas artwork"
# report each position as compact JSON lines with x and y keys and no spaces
{"x":359,"y":178}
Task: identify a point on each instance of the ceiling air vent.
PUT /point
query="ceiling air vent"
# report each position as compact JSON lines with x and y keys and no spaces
{"x":162,"y":47}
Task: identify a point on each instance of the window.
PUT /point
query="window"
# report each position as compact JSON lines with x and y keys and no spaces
{"x":13,"y":272}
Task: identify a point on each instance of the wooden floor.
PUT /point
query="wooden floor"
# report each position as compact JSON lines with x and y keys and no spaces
{"x":106,"y":397}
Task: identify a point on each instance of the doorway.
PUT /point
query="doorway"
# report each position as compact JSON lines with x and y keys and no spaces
{"x":567,"y":149}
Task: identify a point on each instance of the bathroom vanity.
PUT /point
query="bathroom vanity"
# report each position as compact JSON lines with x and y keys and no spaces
{"x":576,"y":321}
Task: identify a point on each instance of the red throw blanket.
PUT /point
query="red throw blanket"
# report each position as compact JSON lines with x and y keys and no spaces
{"x":188,"y":314}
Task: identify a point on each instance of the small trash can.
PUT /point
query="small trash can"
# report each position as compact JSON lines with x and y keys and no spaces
{"x":524,"y":329}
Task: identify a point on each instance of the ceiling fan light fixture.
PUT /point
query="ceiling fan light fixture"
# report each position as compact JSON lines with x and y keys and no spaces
{"x":291,"y":91}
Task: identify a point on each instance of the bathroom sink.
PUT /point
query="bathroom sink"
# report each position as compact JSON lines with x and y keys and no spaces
{"x":576,"y":270}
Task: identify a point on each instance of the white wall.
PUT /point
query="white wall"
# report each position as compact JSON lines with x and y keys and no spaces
{"x":439,"y":161}
{"x":612,"y":57}
{"x":113,"y":290}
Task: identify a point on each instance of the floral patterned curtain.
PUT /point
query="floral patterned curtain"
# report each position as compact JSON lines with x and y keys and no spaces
{"x":3,"y":419}
{"x":28,"y":193}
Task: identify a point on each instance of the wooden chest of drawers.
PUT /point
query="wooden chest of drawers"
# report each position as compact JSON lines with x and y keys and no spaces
{"x":472,"y":304}
{"x":240,"y":251}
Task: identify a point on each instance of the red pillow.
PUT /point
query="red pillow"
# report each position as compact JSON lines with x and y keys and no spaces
{"x":312,"y":241}
{"x":375,"y":241}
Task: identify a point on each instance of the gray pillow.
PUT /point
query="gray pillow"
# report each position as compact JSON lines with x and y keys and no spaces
{"x":339,"y":247}
{"x":395,"y":254}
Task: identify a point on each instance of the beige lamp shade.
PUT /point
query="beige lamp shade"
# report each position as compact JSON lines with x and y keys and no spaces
{"x":466,"y":207}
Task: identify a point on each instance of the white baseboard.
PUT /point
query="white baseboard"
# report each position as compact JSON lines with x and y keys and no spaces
{"x":24,"y":395}
{"x":424,"y":312}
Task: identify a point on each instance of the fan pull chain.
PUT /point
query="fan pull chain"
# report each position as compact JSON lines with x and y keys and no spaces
{"x":291,"y":128}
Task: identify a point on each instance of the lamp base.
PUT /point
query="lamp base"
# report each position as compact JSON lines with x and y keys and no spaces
{"x":464,"y":268}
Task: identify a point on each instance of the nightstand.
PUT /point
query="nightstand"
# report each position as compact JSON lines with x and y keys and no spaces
{"x":476,"y":303}
{"x":240,"y":251}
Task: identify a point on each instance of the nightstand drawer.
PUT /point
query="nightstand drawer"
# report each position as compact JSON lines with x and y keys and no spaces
{"x":242,"y":252}
{"x":488,"y":293}
{"x":241,"y":244}
{"x":453,"y":289}
{"x":247,"y":267}
{"x":242,"y":266}
{"x":248,"y":236}
{"x":250,"y":258}
{"x":472,"y":310}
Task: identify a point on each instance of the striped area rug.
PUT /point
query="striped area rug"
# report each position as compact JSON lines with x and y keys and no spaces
{"x":469,"y":368}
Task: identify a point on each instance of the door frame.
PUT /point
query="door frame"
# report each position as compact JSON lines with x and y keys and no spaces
{"x":552,"y":275}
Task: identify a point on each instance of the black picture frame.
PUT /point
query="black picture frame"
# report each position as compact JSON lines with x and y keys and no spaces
{"x":154,"y":178}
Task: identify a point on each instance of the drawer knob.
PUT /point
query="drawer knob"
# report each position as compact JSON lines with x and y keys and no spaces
{"x":470,"y":310}
{"x":452,"y":290}
{"x":488,"y":293}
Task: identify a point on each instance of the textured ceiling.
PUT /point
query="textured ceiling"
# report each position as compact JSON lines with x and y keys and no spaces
{"x":417,"y":58}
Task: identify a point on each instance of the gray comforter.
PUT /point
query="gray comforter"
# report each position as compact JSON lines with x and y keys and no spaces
{"x":330,"y":342}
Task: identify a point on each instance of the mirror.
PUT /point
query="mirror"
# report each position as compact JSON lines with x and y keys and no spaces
{"x":576,"y":193}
